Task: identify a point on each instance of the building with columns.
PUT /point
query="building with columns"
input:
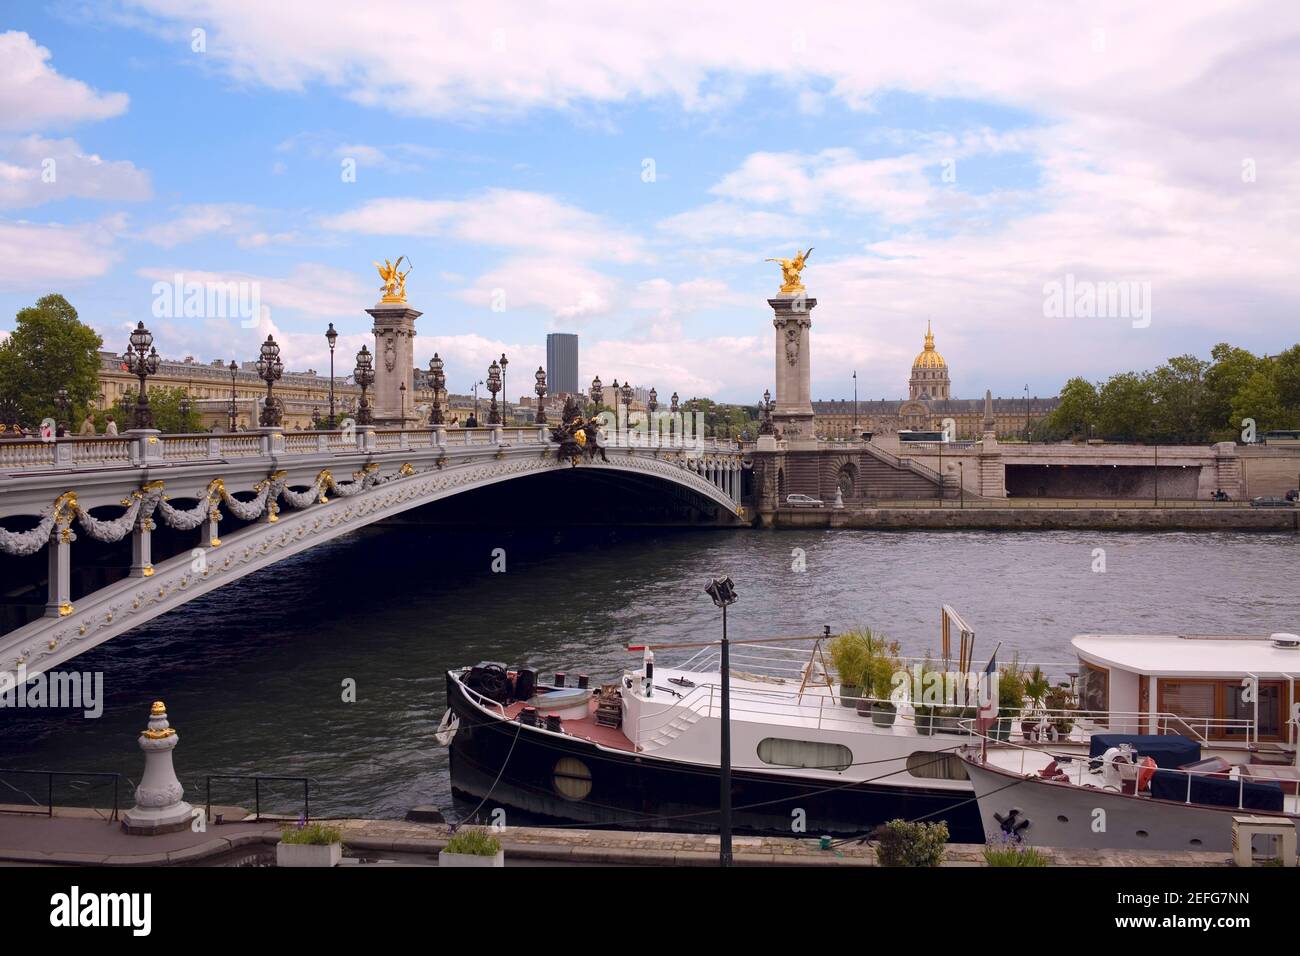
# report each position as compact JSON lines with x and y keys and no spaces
{"x":929,"y":401}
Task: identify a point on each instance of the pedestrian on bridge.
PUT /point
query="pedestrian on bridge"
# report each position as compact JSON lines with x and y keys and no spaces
{"x":88,"y":426}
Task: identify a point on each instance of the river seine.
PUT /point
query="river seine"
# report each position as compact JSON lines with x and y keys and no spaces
{"x":254,"y":674}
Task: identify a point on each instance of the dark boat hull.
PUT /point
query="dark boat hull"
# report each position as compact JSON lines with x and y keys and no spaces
{"x":502,"y":764}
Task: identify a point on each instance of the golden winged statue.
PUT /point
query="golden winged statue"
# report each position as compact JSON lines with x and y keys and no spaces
{"x":394,"y":287}
{"x":790,"y":269}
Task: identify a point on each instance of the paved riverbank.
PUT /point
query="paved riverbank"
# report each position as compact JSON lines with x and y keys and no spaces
{"x":1037,"y":517}
{"x":79,"y":837}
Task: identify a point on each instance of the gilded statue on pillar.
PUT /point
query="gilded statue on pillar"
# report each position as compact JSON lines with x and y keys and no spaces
{"x":394,"y":287}
{"x":790,"y":269}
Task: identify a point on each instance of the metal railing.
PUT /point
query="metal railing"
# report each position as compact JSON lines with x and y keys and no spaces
{"x":258,"y":779}
{"x":49,"y":776}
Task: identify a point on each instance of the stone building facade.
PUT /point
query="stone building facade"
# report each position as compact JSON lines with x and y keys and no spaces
{"x":929,"y":401}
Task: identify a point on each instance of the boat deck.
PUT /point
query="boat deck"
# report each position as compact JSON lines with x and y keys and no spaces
{"x":585,"y":727}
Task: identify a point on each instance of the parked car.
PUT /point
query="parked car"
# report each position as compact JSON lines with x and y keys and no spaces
{"x":1271,"y":501}
{"x":803,"y":501}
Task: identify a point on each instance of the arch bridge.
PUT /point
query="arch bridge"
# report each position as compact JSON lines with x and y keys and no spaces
{"x":287,"y":491}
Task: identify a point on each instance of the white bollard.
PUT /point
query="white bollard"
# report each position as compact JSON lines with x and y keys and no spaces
{"x":158,"y":804}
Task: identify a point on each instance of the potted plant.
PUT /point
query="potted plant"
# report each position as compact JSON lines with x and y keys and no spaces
{"x":1011,"y":700}
{"x":1058,"y":706}
{"x":881,"y":670}
{"x":472,"y":847}
{"x":902,"y":843}
{"x":1036,"y":687}
{"x":850,"y":653}
{"x":309,"y":844}
{"x":924,"y":719}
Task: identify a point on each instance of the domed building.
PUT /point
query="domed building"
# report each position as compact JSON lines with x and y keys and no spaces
{"x":929,"y":402}
{"x":929,"y":373}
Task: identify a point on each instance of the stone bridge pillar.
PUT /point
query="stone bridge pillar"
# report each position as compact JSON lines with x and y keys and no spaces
{"x":394,"y":361}
{"x":793,"y":413}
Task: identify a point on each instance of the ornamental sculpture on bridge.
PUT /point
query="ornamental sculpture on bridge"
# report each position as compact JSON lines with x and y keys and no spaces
{"x":790,"y":269}
{"x":394,"y":287}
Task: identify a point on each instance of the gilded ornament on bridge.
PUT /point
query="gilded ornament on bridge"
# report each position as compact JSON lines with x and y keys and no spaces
{"x":394,"y":287}
{"x":790,"y":269}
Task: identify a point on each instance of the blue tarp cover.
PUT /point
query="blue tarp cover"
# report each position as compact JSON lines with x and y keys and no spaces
{"x":1217,"y":791}
{"x":1169,"y":751}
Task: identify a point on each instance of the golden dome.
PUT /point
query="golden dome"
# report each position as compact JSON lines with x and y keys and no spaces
{"x":929,"y":358}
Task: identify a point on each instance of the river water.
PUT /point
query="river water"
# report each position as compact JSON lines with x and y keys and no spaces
{"x":253,"y":675}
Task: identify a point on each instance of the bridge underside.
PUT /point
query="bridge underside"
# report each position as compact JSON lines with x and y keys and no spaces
{"x":105,"y":590}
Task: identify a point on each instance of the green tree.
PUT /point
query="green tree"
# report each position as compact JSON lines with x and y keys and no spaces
{"x":1076,"y":415}
{"x":1258,"y":400}
{"x":49,"y":349}
{"x":1124,"y":407}
{"x":1178,"y":397}
{"x":1229,"y":370}
{"x":1288,"y":384}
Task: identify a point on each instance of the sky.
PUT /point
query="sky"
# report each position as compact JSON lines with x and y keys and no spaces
{"x":622,"y":170}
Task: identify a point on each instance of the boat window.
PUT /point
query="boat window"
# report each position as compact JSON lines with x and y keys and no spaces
{"x":930,"y":765}
{"x":572,"y":778}
{"x":808,"y":754}
{"x":1094,"y":688}
{"x":1236,"y":707}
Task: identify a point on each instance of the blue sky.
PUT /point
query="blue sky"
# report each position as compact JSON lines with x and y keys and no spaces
{"x":945,"y":162}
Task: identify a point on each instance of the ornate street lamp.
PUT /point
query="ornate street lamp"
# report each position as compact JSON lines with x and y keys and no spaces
{"x":597,"y":391}
{"x":765,"y":407}
{"x":627,"y":394}
{"x":494,"y":386}
{"x":505,"y":396}
{"x":653,"y":403}
{"x":364,"y":376}
{"x":438,"y":381}
{"x":64,"y":406}
{"x":234,"y":408}
{"x":141,"y":360}
{"x":673,"y":407}
{"x":331,"y":337}
{"x":540,"y":389}
{"x":270,"y":369}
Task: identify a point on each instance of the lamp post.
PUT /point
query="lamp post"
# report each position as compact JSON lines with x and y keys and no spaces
{"x":597,"y":391}
{"x":475,"y":388}
{"x":331,"y":337}
{"x":64,"y":406}
{"x":438,"y":380}
{"x":269,"y":369}
{"x":505,"y":396}
{"x":627,"y":395}
{"x":141,"y":360}
{"x":961,"y":466}
{"x":723,"y":592}
{"x":765,"y":408}
{"x":364,"y":376}
{"x":653,"y":403}
{"x":234,"y":408}
{"x":185,"y":407}
{"x":494,"y":386}
{"x":855,"y":405}
{"x":540,"y":389}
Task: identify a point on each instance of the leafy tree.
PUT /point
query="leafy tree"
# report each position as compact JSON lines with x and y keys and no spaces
{"x":1076,"y":415}
{"x":1178,"y":400}
{"x":49,"y":349}
{"x":1229,"y":371}
{"x":1258,"y":399}
{"x":1125,"y":407}
{"x":1288,"y":383}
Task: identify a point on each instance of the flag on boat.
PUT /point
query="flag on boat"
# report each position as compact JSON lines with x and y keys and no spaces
{"x":987,"y":714}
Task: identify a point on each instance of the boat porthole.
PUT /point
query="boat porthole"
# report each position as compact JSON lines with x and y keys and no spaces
{"x":1194,"y":841}
{"x":1062,"y":818}
{"x":1143,"y":834}
{"x":572,"y":778}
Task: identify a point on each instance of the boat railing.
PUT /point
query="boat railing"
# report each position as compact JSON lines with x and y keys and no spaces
{"x":1127,"y":771}
{"x":482,"y":701}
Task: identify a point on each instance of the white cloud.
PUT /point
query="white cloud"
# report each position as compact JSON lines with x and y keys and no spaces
{"x":33,"y":95}
{"x":507,"y":218}
{"x":564,"y":289}
{"x":37,"y":257}
{"x":36,"y":170}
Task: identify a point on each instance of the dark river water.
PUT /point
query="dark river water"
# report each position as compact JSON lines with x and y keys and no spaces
{"x":253,"y":674}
